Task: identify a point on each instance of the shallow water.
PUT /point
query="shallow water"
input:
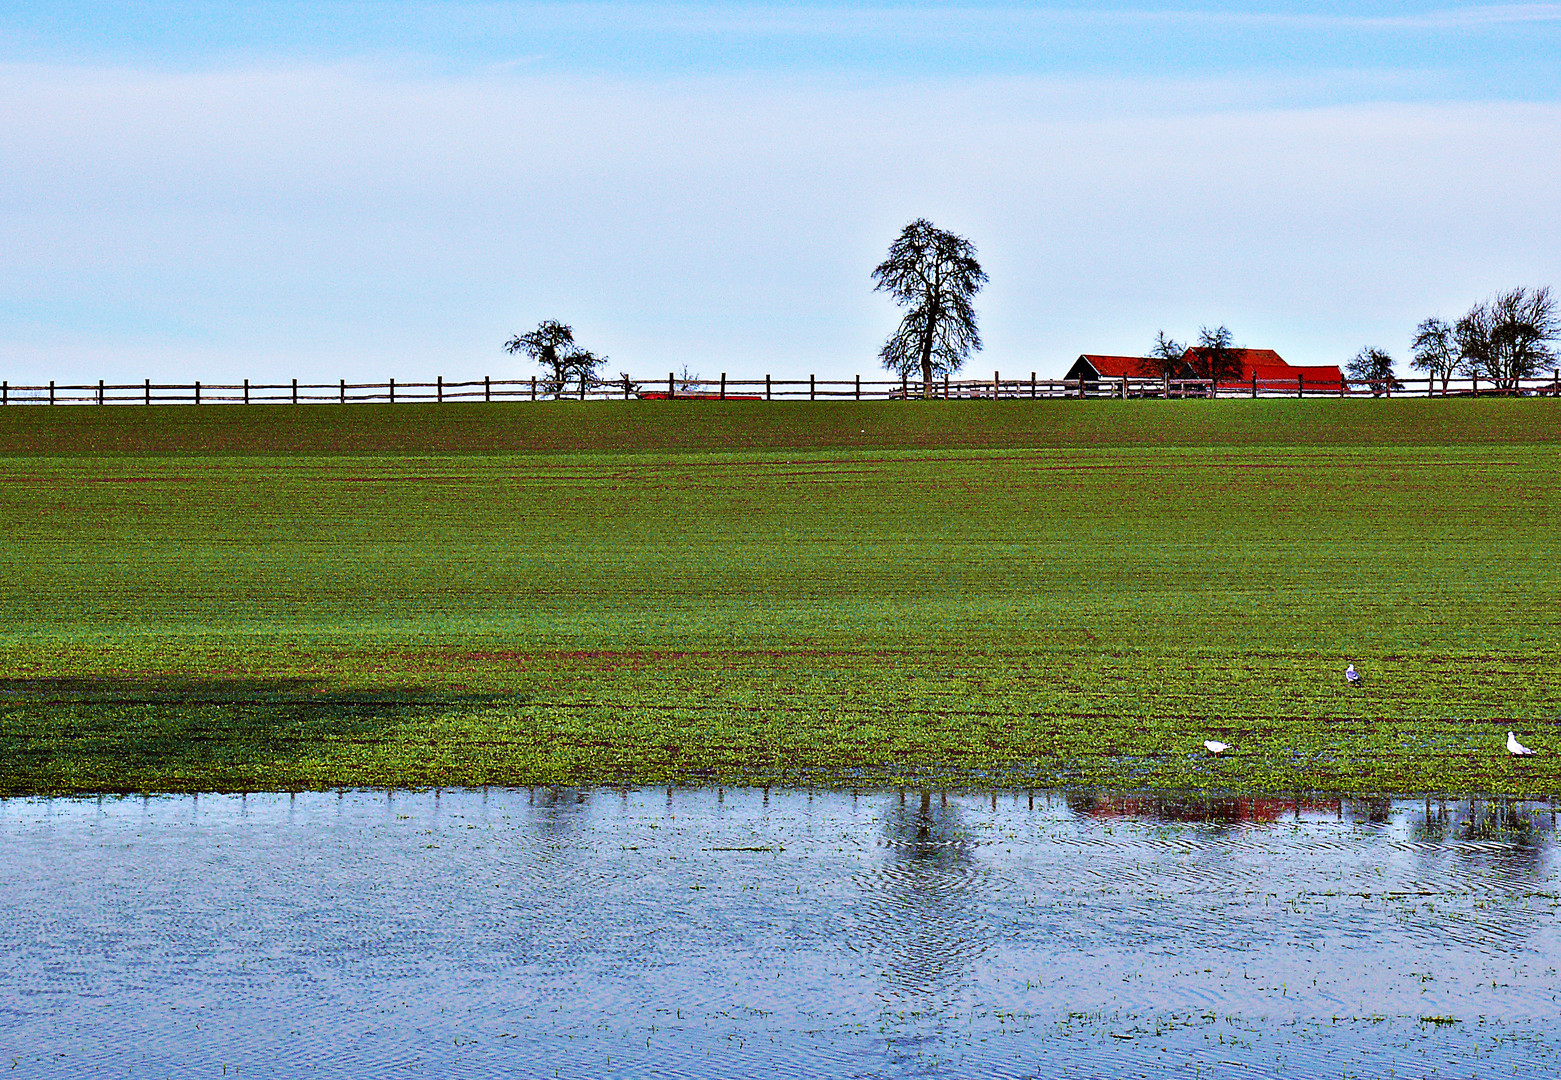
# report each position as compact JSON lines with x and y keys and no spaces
{"x":710,"y":933}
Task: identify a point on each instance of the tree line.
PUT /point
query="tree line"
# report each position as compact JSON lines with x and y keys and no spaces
{"x":1503,"y":339}
{"x":934,"y":275}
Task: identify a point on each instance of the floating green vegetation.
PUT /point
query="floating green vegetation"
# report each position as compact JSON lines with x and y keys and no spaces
{"x":971,"y":594}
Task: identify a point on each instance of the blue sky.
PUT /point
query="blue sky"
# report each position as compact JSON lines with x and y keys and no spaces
{"x":359,"y":190}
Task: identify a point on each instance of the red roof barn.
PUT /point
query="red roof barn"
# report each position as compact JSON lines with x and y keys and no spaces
{"x":1265,"y":365}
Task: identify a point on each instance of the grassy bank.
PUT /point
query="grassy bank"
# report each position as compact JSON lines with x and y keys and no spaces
{"x":970,"y":593}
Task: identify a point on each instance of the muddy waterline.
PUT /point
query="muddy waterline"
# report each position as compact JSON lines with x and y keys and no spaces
{"x":711,"y":933}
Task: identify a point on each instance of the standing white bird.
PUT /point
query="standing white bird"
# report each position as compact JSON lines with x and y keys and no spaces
{"x":1214,"y":746}
{"x":1516,"y":748}
{"x":1352,"y":676}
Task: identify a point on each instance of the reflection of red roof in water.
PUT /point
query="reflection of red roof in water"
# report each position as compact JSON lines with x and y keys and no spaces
{"x":1230,"y":810}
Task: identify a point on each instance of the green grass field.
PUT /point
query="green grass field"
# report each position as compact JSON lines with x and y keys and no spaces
{"x":970,"y":594}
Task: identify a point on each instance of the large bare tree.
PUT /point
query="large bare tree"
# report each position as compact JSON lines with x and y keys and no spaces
{"x":1508,"y":337}
{"x":552,"y":344}
{"x":934,"y":274}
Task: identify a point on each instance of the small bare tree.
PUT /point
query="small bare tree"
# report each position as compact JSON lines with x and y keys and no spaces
{"x":1214,"y":357}
{"x":1435,"y":350}
{"x":1165,"y":359}
{"x":552,"y":344}
{"x":1374,"y":366}
{"x":935,"y":274}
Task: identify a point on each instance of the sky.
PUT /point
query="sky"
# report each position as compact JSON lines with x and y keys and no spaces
{"x":367,"y":190}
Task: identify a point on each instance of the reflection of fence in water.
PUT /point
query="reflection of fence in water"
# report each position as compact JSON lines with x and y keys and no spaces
{"x":812,"y":388}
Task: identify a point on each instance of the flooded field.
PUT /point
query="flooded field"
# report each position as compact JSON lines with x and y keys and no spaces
{"x":716,"y":933}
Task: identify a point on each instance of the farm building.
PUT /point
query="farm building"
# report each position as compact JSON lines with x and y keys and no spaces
{"x":1093,"y":366}
{"x":1265,"y":365}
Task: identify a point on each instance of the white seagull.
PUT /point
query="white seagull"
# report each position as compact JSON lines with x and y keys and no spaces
{"x":1516,"y":748}
{"x":1352,"y":676}
{"x":1215,"y":747}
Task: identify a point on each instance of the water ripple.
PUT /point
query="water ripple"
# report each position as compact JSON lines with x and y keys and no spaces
{"x":706,"y":933}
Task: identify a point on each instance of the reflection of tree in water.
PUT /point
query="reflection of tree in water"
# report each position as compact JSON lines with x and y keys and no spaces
{"x":1430,"y":825}
{"x":1376,"y":810}
{"x":1500,"y":848}
{"x":923,"y":921}
{"x":1510,"y":836}
{"x":557,"y":809}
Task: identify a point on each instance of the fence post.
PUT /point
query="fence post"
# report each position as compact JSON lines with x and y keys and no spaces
{"x":295,"y":391}
{"x":1474,"y":383}
{"x":1389,"y":386}
{"x":945,"y":387}
{"x":197,"y":391}
{"x":1166,"y":375}
{"x":723,"y":386}
{"x":766,"y":387}
{"x":1081,"y":386}
{"x":343,"y":392}
{"x":51,"y":391}
{"x":439,"y":393}
{"x":100,"y":391}
{"x":533,"y":388}
{"x":392,"y":391}
{"x":672,"y":390}
{"x":625,"y":386}
{"x":246,"y":391}
{"x":995,"y":384}
{"x":1300,"y":385}
{"x":812,"y":387}
{"x":1032,"y":386}
{"x":1341,"y":385}
{"x":1124,"y":388}
{"x":859,"y":387}
{"x":5,"y":391}
{"x":583,"y":378}
{"x":1254,"y":384}
{"x":149,"y":391}
{"x":905,"y":385}
{"x":487,"y":389}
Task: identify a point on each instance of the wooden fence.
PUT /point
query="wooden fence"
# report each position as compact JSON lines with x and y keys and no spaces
{"x":766,"y":389}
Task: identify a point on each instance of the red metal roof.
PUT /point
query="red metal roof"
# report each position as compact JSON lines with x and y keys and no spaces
{"x":1269,"y":366}
{"x":1115,"y":367}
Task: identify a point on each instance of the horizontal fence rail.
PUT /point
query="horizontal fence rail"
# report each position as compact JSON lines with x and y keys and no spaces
{"x":812,"y":388}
